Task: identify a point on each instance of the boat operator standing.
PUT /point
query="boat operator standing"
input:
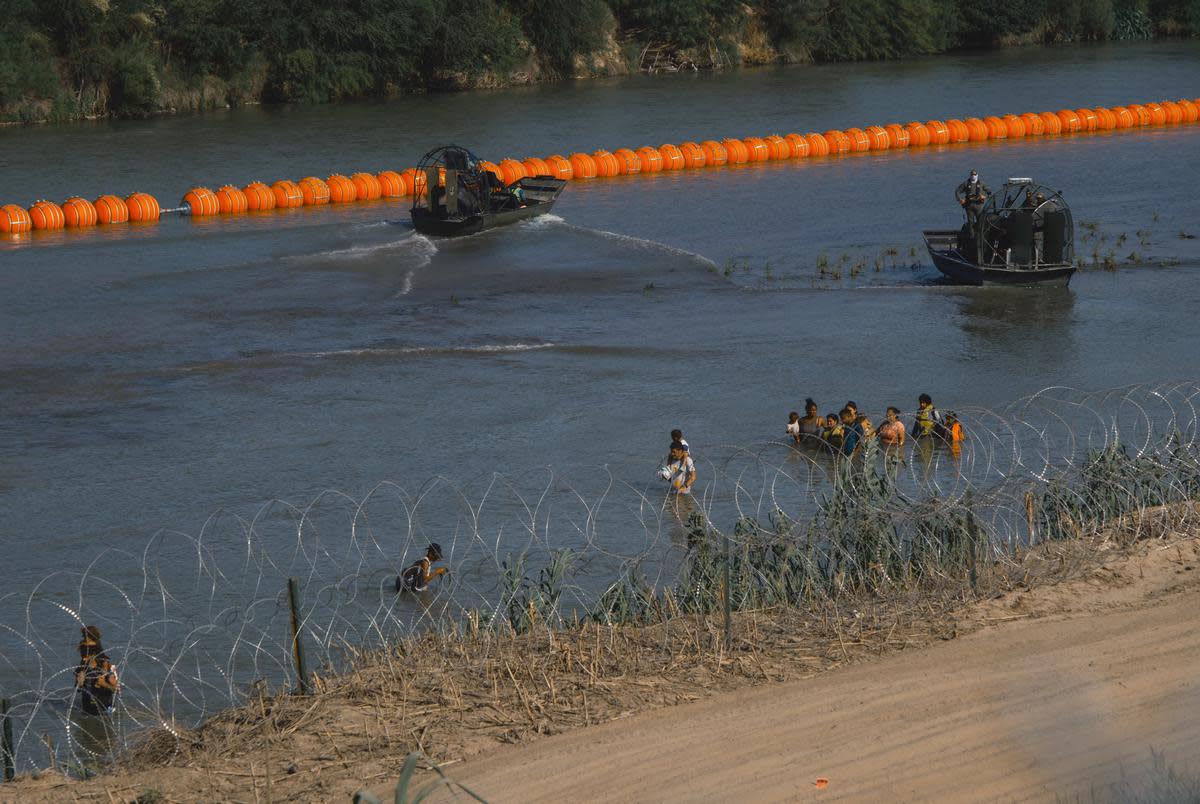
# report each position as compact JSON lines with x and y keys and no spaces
{"x":971,"y":194}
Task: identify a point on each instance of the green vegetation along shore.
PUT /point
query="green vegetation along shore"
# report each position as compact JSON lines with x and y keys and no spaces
{"x":87,"y":58}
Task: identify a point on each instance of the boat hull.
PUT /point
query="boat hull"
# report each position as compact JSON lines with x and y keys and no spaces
{"x":943,"y":250}
{"x":540,"y":193}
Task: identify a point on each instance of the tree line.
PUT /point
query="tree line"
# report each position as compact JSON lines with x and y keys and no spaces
{"x":66,"y":59}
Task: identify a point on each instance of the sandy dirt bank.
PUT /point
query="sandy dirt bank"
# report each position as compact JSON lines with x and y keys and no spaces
{"x":1055,"y":694}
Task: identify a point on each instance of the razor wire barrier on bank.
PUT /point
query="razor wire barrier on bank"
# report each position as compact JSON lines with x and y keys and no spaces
{"x":196,"y":623}
{"x":259,"y":197}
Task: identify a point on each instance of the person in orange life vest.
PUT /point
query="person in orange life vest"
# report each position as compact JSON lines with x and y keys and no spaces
{"x":95,"y":675}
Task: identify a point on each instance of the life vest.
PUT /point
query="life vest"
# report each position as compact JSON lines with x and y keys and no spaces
{"x":927,"y":421}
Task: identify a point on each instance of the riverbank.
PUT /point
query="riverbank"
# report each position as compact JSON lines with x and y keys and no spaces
{"x":131,"y":61}
{"x":1109,"y":614}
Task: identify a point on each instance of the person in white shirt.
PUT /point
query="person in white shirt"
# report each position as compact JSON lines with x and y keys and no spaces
{"x":681,"y":469}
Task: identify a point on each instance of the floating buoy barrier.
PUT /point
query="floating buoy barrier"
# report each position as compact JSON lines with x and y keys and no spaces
{"x":77,"y":212}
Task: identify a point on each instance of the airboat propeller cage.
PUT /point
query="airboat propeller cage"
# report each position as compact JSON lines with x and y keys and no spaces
{"x":1024,"y":225}
{"x":453,"y":179}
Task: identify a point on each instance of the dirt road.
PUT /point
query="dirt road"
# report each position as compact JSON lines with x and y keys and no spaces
{"x":1060,"y":691}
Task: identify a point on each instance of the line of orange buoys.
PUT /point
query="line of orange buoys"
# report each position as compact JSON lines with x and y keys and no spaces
{"x":339,"y":189}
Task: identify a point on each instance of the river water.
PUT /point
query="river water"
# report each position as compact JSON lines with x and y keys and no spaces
{"x":176,"y":378}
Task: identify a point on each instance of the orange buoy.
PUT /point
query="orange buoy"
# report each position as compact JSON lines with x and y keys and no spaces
{"x":898,"y":135}
{"x":46,"y":215}
{"x":918,"y":135}
{"x":1191,"y":113}
{"x":111,"y":209}
{"x":1141,"y":115}
{"x":977,"y":130}
{"x":817,"y":144}
{"x":560,"y":168}
{"x":859,"y":141}
{"x":536,"y":167}
{"x":652,"y":161}
{"x":1088,"y":121}
{"x":838,"y":142}
{"x":1108,"y":120}
{"x":232,"y":201}
{"x":1123,"y":115}
{"x":958,"y":130}
{"x":672,"y":157}
{"x":79,"y":212}
{"x":1050,"y":122}
{"x":778,"y":147}
{"x":493,"y":167}
{"x":693,"y":154}
{"x":367,"y":186}
{"x":143,"y":207}
{"x":736,"y":152}
{"x":1034,"y":127}
{"x":341,"y":189}
{"x":797,"y":146}
{"x":606,"y":164}
{"x":582,"y":166}
{"x":200,"y":201}
{"x":1158,"y":115}
{"x":391,"y":184}
{"x":995,"y":128}
{"x":513,"y":170}
{"x":1015,"y":126}
{"x":939,"y":132}
{"x":880,"y":140}
{"x":287,"y":194}
{"x":628,"y":161}
{"x":757,"y":149}
{"x":1174,"y":112}
{"x":314,"y":191}
{"x":715,"y":154}
{"x":415,"y":181}
{"x":259,"y":197}
{"x":1070,"y":121}
{"x":14,"y":219}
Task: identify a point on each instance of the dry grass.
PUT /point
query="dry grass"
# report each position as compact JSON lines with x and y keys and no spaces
{"x":454,"y":695}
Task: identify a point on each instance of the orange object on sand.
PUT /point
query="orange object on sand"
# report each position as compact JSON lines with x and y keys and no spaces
{"x":821,"y":783}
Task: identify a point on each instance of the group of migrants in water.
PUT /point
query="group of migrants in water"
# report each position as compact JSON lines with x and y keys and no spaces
{"x":846,"y":432}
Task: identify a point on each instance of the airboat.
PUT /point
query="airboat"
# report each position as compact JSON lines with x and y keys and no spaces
{"x":455,"y":196}
{"x":1024,"y":235}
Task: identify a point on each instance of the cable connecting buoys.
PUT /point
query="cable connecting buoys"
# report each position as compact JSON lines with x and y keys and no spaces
{"x":232,"y":200}
{"x":314,"y":191}
{"x":143,"y":208}
{"x":46,"y":215}
{"x":201,"y":202}
{"x":79,"y":212}
{"x":391,"y":184}
{"x":14,"y":219}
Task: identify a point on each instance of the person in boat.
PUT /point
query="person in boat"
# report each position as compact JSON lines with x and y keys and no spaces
{"x":681,"y":471}
{"x":892,"y":433}
{"x":420,"y":574}
{"x":971,"y":195}
{"x":811,"y":424}
{"x":833,"y":435}
{"x":95,"y":675}
{"x":793,"y":428}
{"x":928,"y":421}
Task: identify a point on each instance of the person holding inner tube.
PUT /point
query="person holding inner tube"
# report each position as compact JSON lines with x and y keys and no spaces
{"x":420,"y":574}
{"x":971,"y":194}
